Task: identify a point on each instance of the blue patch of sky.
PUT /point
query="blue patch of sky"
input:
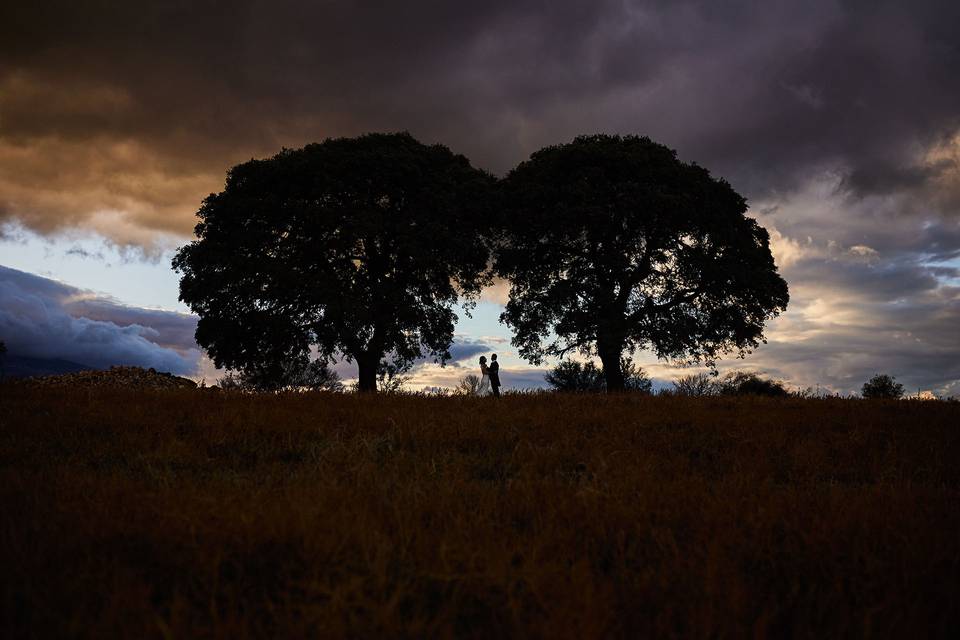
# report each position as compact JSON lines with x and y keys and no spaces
{"x":942,"y":274}
{"x":90,"y":262}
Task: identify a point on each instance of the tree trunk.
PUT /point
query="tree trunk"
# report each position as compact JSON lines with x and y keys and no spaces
{"x":367,"y":378}
{"x":612,"y":373}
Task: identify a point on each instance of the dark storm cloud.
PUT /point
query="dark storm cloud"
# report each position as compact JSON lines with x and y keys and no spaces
{"x":876,"y":282}
{"x":464,"y":353}
{"x":166,"y":329}
{"x":463,"y":349}
{"x":852,"y":319}
{"x":42,"y":318}
{"x":161,"y":97}
{"x":843,"y":359}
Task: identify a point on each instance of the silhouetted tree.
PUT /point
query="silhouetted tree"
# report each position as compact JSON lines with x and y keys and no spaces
{"x":743,"y":383}
{"x":882,"y":386}
{"x":587,"y":377}
{"x":353,"y":246}
{"x":612,"y":244}
{"x":3,"y":356}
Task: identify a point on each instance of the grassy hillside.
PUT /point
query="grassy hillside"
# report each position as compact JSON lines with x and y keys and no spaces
{"x":201,"y":514}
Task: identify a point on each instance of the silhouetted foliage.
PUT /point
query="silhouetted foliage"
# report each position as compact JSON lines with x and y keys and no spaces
{"x":468,"y":385}
{"x":814,"y":393}
{"x":571,"y":375}
{"x":882,"y":386}
{"x":742,"y":383}
{"x":3,"y":356}
{"x":390,"y":378}
{"x":353,"y":246}
{"x":613,"y":244}
{"x":582,"y":377}
{"x":316,"y":376}
{"x":634,"y":377}
{"x":696,"y":384}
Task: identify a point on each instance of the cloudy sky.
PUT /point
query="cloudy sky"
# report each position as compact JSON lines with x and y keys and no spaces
{"x":840,"y":121}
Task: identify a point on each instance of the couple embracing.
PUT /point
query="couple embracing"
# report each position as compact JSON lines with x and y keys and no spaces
{"x":490,"y":376}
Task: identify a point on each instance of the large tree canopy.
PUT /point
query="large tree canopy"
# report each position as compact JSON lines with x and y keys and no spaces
{"x":612,"y":244}
{"x":353,"y":246}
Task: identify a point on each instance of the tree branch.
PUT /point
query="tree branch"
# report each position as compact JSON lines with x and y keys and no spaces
{"x":650,"y":308}
{"x":572,"y":346}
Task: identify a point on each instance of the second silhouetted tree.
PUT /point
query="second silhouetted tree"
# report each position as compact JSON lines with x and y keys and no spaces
{"x":612,"y":244}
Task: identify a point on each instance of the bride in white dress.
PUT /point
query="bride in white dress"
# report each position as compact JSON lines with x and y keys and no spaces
{"x":484,"y":387}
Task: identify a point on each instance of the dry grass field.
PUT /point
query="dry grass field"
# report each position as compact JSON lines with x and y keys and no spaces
{"x":201,"y":514}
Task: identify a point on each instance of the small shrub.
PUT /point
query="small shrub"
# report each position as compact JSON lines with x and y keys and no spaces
{"x":391,"y":378}
{"x":882,"y":386}
{"x":316,"y":376}
{"x":582,"y":377}
{"x":469,"y":385}
{"x":695,"y":385}
{"x":586,"y":377}
{"x":635,"y":378}
{"x":743,"y":383}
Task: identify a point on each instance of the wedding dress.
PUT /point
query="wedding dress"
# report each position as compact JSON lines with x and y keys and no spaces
{"x":484,"y":387}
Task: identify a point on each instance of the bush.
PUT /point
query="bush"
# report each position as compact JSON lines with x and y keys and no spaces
{"x":390,"y":378}
{"x":742,"y":383}
{"x":316,"y":376}
{"x":586,"y":377}
{"x":576,"y":376}
{"x":882,"y":386}
{"x":635,"y":378}
{"x":469,"y":385}
{"x":696,"y":384}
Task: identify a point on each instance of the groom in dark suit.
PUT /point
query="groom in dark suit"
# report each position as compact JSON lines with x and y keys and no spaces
{"x":495,"y":375}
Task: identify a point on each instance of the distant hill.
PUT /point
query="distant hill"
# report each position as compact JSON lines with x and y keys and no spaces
{"x":23,"y":366}
{"x":115,"y":377}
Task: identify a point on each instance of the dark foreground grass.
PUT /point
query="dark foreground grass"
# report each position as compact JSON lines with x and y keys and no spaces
{"x":197,"y":514}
